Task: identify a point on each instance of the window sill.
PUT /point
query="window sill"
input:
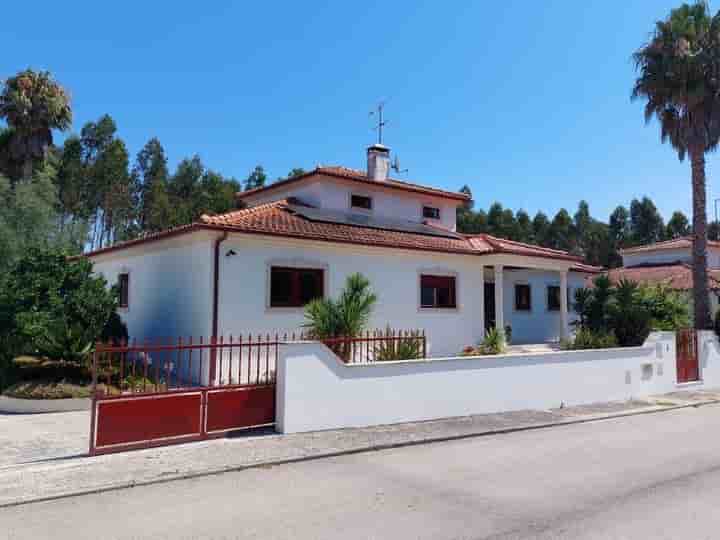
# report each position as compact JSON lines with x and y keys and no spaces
{"x":439,"y":309}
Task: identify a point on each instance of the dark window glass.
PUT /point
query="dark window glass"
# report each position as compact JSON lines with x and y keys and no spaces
{"x":431,"y":212}
{"x":553,"y":299}
{"x":124,"y":289}
{"x":360,"y":201}
{"x":522,"y":297}
{"x":294,"y":287}
{"x":437,"y":292}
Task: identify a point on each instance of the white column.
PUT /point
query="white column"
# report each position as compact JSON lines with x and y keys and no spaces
{"x":482,"y":301}
{"x":563,"y":305}
{"x":499,"y":319}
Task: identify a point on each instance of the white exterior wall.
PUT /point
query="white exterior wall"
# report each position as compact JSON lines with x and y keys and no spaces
{"x":662,"y":256}
{"x":538,"y":325}
{"x":170,"y":291}
{"x":394,"y":276}
{"x":317,"y":391}
{"x":335,"y":194}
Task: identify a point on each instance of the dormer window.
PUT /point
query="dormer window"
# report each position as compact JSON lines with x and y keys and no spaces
{"x":361,"y":201}
{"x":431,"y":212}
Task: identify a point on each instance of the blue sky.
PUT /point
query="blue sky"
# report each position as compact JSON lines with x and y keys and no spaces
{"x":526,"y":102}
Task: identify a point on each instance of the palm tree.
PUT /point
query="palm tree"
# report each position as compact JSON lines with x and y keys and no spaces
{"x":679,"y":79}
{"x":33,"y":104}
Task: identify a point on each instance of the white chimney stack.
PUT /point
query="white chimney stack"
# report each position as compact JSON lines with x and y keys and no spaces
{"x":378,"y":162}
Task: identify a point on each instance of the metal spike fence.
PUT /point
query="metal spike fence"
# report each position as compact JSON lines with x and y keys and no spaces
{"x":164,"y":365}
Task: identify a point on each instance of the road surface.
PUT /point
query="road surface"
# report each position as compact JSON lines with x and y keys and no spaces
{"x":642,"y":477}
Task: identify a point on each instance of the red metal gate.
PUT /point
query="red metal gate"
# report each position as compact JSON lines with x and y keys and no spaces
{"x":163,"y":393}
{"x":687,"y":356}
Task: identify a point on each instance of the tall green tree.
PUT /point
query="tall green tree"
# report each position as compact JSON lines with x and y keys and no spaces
{"x":150,"y":173}
{"x":679,"y":81}
{"x":33,"y":104}
{"x":678,"y":225}
{"x":256,"y":178}
{"x":646,"y":223}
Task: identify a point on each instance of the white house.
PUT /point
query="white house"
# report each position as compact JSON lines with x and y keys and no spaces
{"x":253,"y":269}
{"x":670,"y":263}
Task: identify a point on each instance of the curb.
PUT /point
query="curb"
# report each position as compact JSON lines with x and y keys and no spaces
{"x":359,"y":450}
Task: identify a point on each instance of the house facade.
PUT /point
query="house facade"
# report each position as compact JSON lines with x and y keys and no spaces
{"x":669,"y":263}
{"x":253,"y":269}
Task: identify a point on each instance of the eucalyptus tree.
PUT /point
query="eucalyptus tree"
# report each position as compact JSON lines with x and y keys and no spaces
{"x":678,"y":78}
{"x":33,"y":104}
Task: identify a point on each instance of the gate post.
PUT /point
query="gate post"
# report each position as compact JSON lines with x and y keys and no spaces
{"x":93,"y":400}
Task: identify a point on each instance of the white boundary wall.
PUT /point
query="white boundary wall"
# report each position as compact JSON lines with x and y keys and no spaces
{"x":316,"y":391}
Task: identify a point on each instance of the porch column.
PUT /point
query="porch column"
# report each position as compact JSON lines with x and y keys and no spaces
{"x":499,"y":319}
{"x":482,"y":301}
{"x":563,"y":305}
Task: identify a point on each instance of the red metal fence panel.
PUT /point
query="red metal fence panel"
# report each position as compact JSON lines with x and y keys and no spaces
{"x":177,"y":390}
{"x":139,"y":421}
{"x":688,"y":369}
{"x":241,"y":407}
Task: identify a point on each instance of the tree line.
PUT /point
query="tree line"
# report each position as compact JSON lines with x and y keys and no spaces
{"x":597,"y":242}
{"x":88,"y":193}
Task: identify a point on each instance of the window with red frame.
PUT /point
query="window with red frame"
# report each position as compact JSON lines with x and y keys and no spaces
{"x":437,"y":291}
{"x":295,"y":287}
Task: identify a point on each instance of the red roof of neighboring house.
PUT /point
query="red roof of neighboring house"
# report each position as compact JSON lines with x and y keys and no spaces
{"x":280,"y":218}
{"x":683,"y":242}
{"x":356,"y":176}
{"x":676,"y":275}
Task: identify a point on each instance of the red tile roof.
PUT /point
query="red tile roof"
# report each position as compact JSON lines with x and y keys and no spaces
{"x":683,"y":242}
{"x":277,"y":218}
{"x":356,"y":176}
{"x":676,"y":275}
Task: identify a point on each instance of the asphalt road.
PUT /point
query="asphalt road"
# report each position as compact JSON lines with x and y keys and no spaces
{"x":641,"y":477}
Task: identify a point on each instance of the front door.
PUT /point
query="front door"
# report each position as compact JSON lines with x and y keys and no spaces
{"x":489,"y":306}
{"x":687,"y":356}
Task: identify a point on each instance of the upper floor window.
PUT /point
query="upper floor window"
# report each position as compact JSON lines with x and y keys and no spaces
{"x":523,"y":300}
{"x":124,"y":290}
{"x":431,"y":212}
{"x":361,"y":201}
{"x":437,"y":291}
{"x":295,"y":287}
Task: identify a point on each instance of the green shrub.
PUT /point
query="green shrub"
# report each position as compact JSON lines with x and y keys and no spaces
{"x":629,"y":311}
{"x":53,"y":307}
{"x":589,"y":339}
{"x":405,"y":347}
{"x":493,"y":343}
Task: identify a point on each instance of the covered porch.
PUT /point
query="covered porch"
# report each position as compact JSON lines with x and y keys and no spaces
{"x":529,"y":298}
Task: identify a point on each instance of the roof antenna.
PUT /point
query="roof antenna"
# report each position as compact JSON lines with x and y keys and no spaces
{"x":395,"y":166}
{"x":380,"y":121}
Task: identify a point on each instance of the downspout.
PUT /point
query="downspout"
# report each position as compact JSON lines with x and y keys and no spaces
{"x":216,"y":299}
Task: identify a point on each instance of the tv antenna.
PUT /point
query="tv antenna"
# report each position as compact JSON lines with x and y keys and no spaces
{"x":380,"y":120}
{"x":395,"y":166}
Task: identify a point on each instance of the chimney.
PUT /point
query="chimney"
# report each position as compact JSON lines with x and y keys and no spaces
{"x":378,"y":162}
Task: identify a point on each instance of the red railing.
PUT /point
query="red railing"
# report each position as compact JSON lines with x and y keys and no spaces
{"x":163,"y":365}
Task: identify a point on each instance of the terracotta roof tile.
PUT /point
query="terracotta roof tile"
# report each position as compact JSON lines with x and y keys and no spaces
{"x":276,"y":218}
{"x":357,"y":176}
{"x":676,"y":275}
{"x":683,"y":242}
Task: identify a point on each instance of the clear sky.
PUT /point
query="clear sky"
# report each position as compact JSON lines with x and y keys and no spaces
{"x":526,"y":102}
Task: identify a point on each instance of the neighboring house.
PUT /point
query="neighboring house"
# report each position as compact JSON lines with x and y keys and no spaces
{"x":669,"y":263}
{"x":253,"y":269}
